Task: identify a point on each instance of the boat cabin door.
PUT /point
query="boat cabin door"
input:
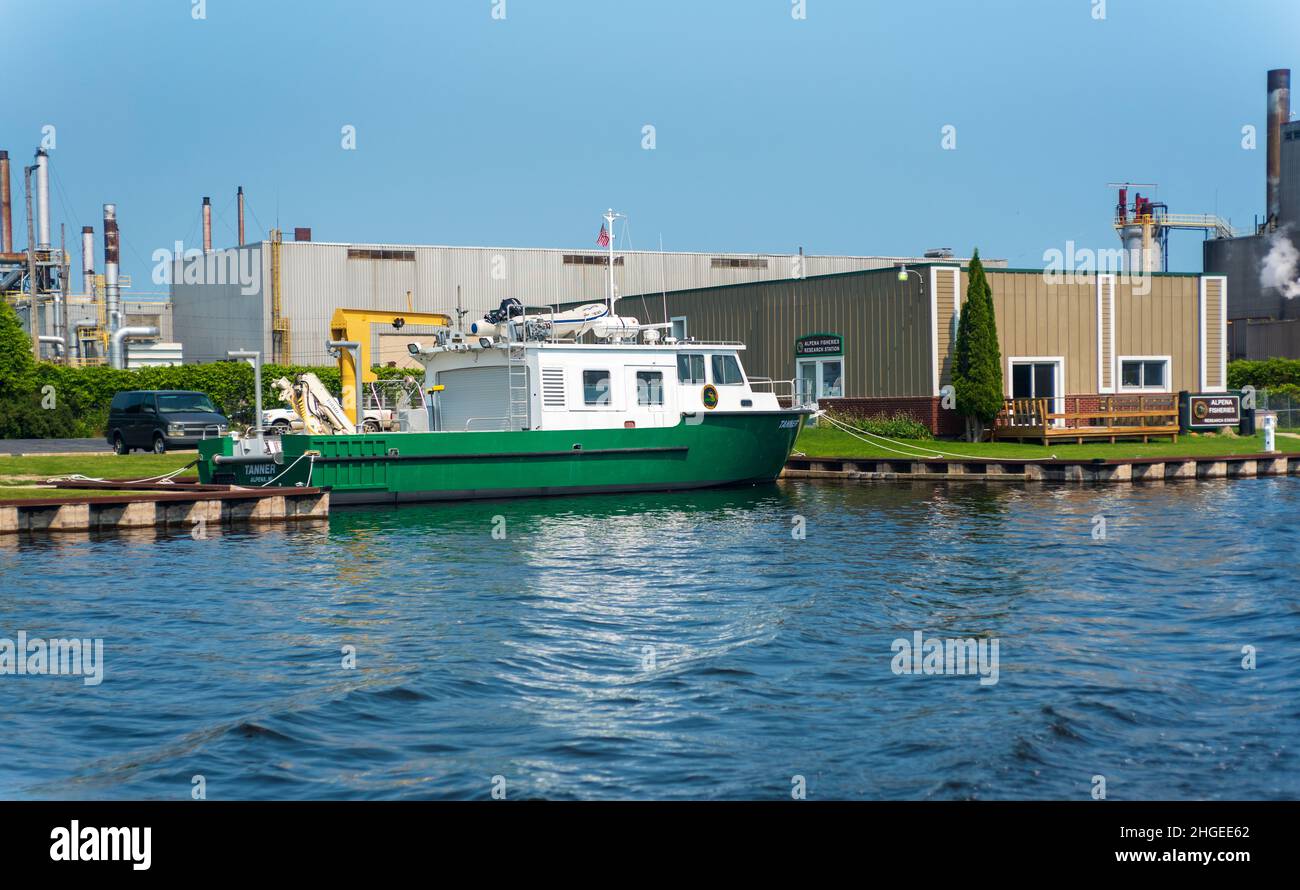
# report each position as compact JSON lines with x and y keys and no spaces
{"x":646,"y":396}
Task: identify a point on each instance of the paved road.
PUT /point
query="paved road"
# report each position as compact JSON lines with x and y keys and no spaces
{"x":53,"y":446}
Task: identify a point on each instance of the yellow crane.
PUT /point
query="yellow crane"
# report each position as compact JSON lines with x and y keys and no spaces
{"x":357,"y":326}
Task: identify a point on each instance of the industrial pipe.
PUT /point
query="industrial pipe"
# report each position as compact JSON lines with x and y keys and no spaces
{"x":76,"y":335}
{"x":352,"y":346}
{"x":117,"y":346}
{"x":112,"y":254}
{"x":42,"y":199}
{"x":239,"y":199}
{"x":1279,"y":113}
{"x":6,"y":211}
{"x":207,"y":225}
{"x":60,"y":347}
{"x":87,"y":260}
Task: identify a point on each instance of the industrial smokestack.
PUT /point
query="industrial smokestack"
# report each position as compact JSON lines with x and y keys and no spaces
{"x":1279,"y":113}
{"x":87,"y":260}
{"x":239,"y":198}
{"x":207,"y":225}
{"x":112,"y":293}
{"x":42,"y":200}
{"x":6,"y":212}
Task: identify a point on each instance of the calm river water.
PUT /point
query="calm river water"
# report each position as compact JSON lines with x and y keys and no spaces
{"x":678,"y":646}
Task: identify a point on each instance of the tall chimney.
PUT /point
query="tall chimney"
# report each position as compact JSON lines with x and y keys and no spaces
{"x":1279,"y":113}
{"x":87,"y":260}
{"x":207,"y":225}
{"x":112,"y":293}
{"x":239,"y":198}
{"x":42,"y":200}
{"x":6,"y":212}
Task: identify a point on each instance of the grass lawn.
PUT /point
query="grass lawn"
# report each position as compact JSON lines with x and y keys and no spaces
{"x":101,"y":466}
{"x":23,"y":492}
{"x":825,"y":441}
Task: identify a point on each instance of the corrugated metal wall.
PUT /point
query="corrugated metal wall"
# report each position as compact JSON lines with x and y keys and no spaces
{"x":884,"y":322}
{"x":319,"y":277}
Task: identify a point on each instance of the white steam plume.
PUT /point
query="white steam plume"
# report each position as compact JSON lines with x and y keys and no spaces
{"x":1279,"y":268}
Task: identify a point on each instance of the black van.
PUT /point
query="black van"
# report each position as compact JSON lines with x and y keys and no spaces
{"x":159,"y":419}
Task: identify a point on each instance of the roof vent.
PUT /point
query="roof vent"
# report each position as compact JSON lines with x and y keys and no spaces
{"x":939,"y":253}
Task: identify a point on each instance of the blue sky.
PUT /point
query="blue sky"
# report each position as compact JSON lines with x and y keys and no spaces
{"x":770,"y":132}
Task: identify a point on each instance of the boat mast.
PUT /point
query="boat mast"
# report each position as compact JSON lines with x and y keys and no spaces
{"x":610,"y":216}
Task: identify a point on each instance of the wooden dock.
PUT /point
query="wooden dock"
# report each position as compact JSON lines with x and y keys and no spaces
{"x":183,"y":506}
{"x":1138,"y":469}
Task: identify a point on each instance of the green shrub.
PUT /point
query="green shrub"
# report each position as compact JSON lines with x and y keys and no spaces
{"x":1269,"y":374}
{"x":896,"y":426}
{"x":83,"y":395}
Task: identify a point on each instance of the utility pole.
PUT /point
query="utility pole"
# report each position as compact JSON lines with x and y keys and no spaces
{"x":31,"y":266}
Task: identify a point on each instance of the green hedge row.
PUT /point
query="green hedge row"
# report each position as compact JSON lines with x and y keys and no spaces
{"x":58,"y":401}
{"x":1271,"y":374}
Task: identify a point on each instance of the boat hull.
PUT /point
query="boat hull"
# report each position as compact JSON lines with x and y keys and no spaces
{"x":701,"y":451}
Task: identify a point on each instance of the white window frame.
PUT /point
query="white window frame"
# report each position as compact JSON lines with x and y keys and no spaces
{"x":744,"y":381}
{"x":685,"y":330}
{"x":613,"y":389}
{"x":818,"y":380}
{"x":1119,"y":371}
{"x":1058,"y":397}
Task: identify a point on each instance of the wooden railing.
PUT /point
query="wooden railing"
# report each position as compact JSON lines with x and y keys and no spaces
{"x":1089,"y":416}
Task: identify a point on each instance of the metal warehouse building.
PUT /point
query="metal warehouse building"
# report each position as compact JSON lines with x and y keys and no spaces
{"x":279,"y":296}
{"x":868,"y":335}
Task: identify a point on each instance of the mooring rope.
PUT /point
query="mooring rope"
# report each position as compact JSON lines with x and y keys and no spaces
{"x":310,"y":466}
{"x":926,"y":452}
{"x":164,"y":479}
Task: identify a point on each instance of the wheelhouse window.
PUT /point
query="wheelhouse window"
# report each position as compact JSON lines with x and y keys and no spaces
{"x":1144,"y":374}
{"x":595,"y":388}
{"x":690,"y":367}
{"x":649,"y":388}
{"x":726,"y":371}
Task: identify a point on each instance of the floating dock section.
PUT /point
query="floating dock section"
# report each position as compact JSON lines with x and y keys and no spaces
{"x":184,"y":506}
{"x":1137,"y":469}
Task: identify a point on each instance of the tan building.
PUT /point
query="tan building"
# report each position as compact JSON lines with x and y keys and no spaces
{"x":870,"y":335}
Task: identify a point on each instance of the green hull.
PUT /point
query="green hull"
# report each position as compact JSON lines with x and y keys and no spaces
{"x":700,"y":452}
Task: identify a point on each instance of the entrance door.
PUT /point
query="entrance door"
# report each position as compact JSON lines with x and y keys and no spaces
{"x":822,"y":378}
{"x":646,"y":396}
{"x":1038,"y":379}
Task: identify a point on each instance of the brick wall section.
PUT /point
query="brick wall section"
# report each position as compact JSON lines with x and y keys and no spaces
{"x":922,"y":409}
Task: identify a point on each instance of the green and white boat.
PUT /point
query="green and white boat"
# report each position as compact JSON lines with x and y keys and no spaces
{"x":527,"y":404}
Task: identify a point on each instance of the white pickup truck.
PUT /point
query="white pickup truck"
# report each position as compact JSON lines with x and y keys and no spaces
{"x":278,"y":421}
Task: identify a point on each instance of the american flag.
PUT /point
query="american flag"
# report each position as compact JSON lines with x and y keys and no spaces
{"x":602,"y":240}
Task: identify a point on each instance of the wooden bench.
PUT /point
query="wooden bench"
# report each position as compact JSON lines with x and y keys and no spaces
{"x":1090,"y":417}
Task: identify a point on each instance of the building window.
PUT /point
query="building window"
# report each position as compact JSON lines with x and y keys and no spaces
{"x":726,"y":371}
{"x":595,"y":388}
{"x":590,"y":259}
{"x":679,"y":326}
{"x":690,"y":368}
{"x":738,"y":262}
{"x":1144,"y":373}
{"x":649,"y":388}
{"x":373,"y":253}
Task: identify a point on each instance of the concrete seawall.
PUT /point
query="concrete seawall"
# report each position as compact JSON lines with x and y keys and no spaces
{"x":161,"y":509}
{"x":1142,"y":469}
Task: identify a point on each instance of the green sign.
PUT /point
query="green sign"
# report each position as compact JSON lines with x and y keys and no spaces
{"x":819,"y":345}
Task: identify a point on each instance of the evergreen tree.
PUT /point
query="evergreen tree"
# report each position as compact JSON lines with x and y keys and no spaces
{"x":16,"y":362}
{"x":977,"y":371}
